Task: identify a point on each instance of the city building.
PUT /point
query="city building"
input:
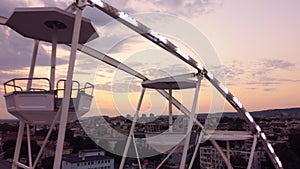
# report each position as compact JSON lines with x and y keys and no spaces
{"x":239,"y":146}
{"x":211,"y":158}
{"x":49,"y":150}
{"x":87,"y":159}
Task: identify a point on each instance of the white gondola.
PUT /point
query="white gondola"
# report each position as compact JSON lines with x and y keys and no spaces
{"x":36,"y":100}
{"x":168,"y":142}
{"x":165,"y":141}
{"x":40,"y":105}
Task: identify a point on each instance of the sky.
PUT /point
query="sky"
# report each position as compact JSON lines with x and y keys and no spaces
{"x":254,"y":43}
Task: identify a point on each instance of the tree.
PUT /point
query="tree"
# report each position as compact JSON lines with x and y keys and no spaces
{"x":9,"y":148}
{"x":238,"y":162}
{"x":79,"y":143}
{"x":9,"y":153}
{"x":288,"y":158}
{"x":35,"y":148}
{"x":294,"y":138}
{"x":6,"y":127}
{"x":53,"y":136}
{"x":47,"y":163}
{"x":8,"y":145}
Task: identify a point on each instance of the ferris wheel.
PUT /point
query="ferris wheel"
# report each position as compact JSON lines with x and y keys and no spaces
{"x":64,"y":27}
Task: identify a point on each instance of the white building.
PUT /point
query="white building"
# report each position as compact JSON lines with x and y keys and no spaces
{"x":237,"y":153}
{"x":87,"y":159}
{"x":210,"y":157}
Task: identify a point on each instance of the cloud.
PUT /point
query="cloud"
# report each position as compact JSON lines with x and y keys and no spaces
{"x":269,"y":65}
{"x":119,"y":87}
{"x":262,"y":83}
{"x":261,"y":72}
{"x":279,"y":80}
{"x":186,"y":8}
{"x":278,"y":64}
{"x":231,"y":73}
{"x":269,"y":89}
{"x":251,"y":88}
{"x":8,"y":6}
{"x":16,"y":52}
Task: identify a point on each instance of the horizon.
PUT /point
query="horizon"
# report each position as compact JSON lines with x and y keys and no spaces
{"x":202,"y":113}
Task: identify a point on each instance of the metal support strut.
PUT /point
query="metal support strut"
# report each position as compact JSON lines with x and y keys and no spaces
{"x":131,"y":133}
{"x":190,"y":125}
{"x":67,"y":94}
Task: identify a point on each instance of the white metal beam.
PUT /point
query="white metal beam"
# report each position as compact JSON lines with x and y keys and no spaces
{"x":190,"y":125}
{"x":47,"y":137}
{"x":32,"y":65}
{"x":29,"y":145}
{"x":136,"y":152}
{"x":109,"y":60}
{"x":131,"y":132}
{"x":252,"y":152}
{"x":170,"y":111}
{"x":68,"y":89}
{"x":53,"y":57}
{"x":18,"y":144}
{"x":18,"y":164}
{"x":196,"y":150}
{"x":166,"y":158}
{"x":227,"y":162}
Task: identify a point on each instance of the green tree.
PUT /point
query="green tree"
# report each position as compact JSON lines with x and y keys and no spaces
{"x":9,"y":148}
{"x":7,"y":127}
{"x":80,"y":143}
{"x":288,"y":158}
{"x":47,"y":163}
{"x":238,"y":162}
{"x":294,"y":138}
{"x":8,"y":145}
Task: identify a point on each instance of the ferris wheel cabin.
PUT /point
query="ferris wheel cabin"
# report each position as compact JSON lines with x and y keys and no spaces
{"x":37,"y":100}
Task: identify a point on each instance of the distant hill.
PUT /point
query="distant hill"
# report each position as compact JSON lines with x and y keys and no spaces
{"x":272,"y":113}
{"x":290,"y":112}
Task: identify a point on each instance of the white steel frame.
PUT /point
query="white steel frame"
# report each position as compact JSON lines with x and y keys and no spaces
{"x":64,"y":109}
{"x":164,"y":43}
{"x":157,"y":39}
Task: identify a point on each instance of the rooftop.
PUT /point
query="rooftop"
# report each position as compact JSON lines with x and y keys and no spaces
{"x":73,"y":158}
{"x":91,"y":150}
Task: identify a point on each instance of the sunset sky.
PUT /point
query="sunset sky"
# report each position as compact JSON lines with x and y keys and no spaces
{"x":256,"y":43}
